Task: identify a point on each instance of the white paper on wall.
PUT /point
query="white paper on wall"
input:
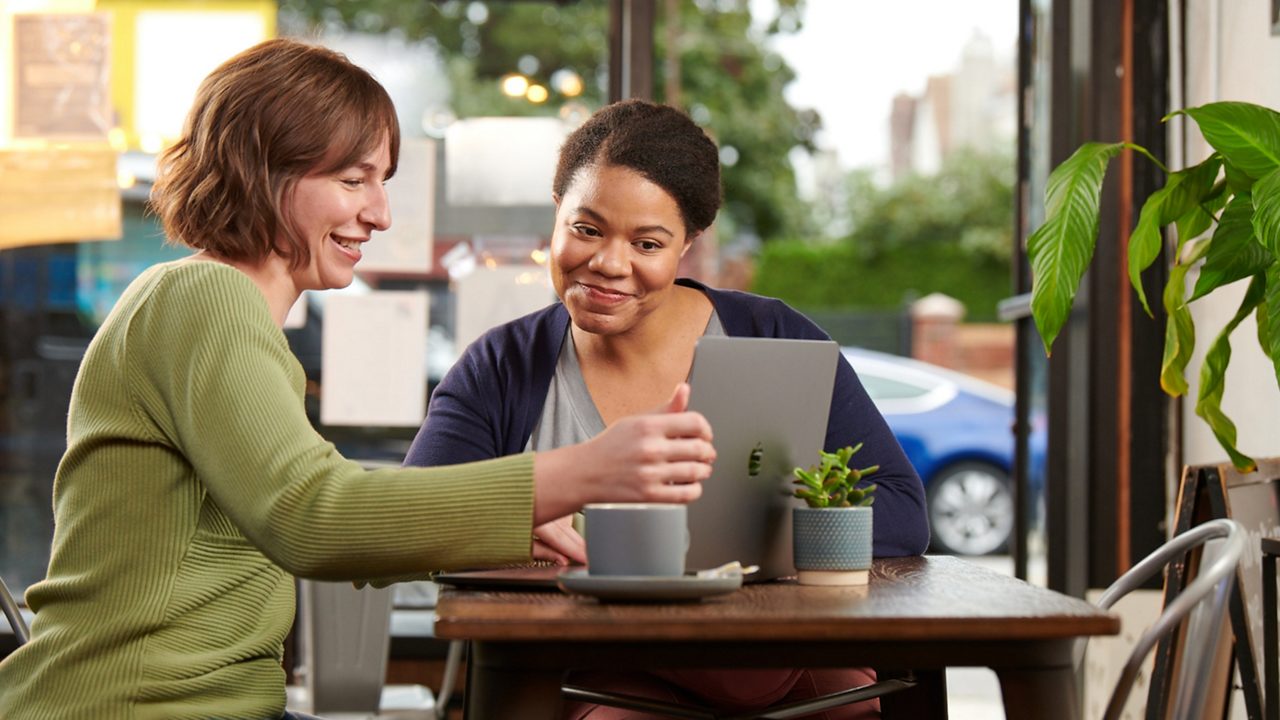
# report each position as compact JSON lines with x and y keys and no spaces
{"x":492,"y":296}
{"x":374,"y":354}
{"x":502,"y":161}
{"x":406,"y":246}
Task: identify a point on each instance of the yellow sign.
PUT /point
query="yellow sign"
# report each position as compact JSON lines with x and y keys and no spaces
{"x":58,"y":195}
{"x":162,"y":49}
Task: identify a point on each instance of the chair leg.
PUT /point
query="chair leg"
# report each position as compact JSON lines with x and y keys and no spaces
{"x":452,"y":661}
{"x":1271,"y":694}
{"x":14,"y":615}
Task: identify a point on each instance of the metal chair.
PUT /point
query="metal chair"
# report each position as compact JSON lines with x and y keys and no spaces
{"x":11,"y":612}
{"x":452,"y":662}
{"x":1202,"y":604}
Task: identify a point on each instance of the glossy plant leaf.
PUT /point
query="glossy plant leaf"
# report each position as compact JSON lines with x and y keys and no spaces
{"x":1268,"y":318}
{"x":1179,"y":331}
{"x":1235,"y":179}
{"x":1184,"y":193}
{"x":1266,"y":212}
{"x":1060,"y":250}
{"x":1179,"y":335}
{"x":1234,"y":253}
{"x":1247,"y":135}
{"x":1202,"y":217}
{"x":1213,"y":375}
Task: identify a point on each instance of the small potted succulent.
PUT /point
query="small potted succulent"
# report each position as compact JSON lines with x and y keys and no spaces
{"x":832,"y":535}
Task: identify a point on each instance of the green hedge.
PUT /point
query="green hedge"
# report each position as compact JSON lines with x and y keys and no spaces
{"x":811,"y":276}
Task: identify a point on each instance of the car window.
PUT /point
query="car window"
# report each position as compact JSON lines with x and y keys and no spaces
{"x":883,"y":388}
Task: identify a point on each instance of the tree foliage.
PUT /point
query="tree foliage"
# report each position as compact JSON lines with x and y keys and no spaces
{"x":948,"y":233}
{"x":729,"y":81}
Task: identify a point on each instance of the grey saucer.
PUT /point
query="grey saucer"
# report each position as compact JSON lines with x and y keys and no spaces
{"x":621,"y":588}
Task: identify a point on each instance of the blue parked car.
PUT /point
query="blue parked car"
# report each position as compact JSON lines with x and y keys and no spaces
{"x":958,"y":433}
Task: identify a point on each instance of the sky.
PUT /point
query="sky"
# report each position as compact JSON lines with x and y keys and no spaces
{"x":852,"y":56}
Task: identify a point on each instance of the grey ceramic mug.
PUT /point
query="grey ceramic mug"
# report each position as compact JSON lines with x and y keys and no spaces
{"x":636,"y":539}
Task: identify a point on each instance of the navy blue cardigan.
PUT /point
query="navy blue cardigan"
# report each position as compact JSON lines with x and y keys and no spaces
{"x":488,"y":403}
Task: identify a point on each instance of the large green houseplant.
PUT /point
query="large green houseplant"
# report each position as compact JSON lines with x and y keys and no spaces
{"x":1235,"y":191}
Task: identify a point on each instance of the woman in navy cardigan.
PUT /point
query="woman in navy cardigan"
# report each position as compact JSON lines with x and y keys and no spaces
{"x":635,"y":187}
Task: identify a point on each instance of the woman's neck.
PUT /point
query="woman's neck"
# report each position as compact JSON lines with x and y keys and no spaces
{"x":273,"y":278}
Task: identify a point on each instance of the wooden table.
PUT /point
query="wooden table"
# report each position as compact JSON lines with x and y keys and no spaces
{"x":923,"y":614}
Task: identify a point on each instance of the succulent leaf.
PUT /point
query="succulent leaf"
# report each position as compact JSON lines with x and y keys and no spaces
{"x":832,"y":482}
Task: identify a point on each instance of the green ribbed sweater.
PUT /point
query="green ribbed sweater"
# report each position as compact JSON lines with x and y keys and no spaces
{"x":193,"y":489}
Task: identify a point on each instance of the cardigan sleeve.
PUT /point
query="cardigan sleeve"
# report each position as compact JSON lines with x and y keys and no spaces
{"x":459,"y":427}
{"x":901,"y":525}
{"x":216,"y":376}
{"x":492,"y":398}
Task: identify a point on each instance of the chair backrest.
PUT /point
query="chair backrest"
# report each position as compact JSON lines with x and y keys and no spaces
{"x":14,"y":616}
{"x":1207,"y":595}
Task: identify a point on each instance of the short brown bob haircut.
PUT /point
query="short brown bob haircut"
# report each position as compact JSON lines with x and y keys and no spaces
{"x":266,"y":118}
{"x":658,"y":141}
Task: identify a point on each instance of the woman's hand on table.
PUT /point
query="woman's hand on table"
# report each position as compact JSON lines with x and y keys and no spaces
{"x":559,"y":543}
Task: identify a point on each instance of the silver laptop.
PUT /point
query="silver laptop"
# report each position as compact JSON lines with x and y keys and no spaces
{"x":767,"y":400}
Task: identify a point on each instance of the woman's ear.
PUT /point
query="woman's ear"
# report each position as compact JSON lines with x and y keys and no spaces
{"x":689,"y":240}
{"x":555,"y":198}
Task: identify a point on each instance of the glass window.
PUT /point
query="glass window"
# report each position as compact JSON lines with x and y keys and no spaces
{"x":880,"y":387}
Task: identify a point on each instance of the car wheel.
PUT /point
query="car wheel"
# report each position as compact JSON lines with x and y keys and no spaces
{"x":970,"y":509}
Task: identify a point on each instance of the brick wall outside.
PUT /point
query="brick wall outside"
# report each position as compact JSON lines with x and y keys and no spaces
{"x":983,"y":350}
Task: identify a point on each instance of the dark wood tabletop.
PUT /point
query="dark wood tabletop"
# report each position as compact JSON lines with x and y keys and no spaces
{"x":916,"y":613}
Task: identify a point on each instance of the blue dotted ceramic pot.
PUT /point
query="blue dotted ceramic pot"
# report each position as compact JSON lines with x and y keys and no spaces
{"x":832,"y":546}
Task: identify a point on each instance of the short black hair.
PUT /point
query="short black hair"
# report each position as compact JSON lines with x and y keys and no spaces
{"x":659,"y":142}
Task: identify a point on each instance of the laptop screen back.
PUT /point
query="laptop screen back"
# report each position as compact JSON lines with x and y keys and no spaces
{"x":767,"y":400}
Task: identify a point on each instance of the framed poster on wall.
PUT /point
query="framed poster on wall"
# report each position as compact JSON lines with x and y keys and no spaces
{"x":62,"y":76}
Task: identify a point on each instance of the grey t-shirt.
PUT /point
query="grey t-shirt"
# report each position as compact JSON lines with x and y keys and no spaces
{"x":569,"y":415}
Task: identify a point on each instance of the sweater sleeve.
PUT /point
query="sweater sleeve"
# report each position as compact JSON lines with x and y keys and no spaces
{"x":217,"y":377}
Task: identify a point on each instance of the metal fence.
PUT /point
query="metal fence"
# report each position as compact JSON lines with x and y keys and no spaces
{"x":884,"y":330}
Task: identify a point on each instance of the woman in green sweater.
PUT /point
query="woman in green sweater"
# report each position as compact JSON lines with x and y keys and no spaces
{"x":193,"y":488}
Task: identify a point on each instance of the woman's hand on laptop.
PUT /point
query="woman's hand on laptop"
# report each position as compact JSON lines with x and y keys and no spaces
{"x":661,"y":456}
{"x":559,"y":543}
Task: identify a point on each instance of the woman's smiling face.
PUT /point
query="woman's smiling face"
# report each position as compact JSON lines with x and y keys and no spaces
{"x":616,"y":248}
{"x":336,"y":213}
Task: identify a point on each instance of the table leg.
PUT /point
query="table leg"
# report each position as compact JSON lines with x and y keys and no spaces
{"x":496,"y":691}
{"x":1048,"y":694}
{"x":928,"y":699}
